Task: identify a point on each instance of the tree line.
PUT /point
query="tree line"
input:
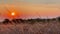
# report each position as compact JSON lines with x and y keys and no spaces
{"x":30,"y":21}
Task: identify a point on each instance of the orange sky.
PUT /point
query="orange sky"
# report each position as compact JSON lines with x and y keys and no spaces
{"x":31,"y":10}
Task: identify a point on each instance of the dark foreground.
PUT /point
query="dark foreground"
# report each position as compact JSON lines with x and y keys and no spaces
{"x":36,"y":28}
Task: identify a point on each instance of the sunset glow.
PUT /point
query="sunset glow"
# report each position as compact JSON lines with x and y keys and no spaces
{"x":12,"y":13}
{"x":30,"y":8}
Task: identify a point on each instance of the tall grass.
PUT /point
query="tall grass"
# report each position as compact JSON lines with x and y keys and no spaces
{"x":30,"y":26}
{"x":37,"y":28}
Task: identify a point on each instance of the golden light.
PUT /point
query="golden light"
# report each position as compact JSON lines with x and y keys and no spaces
{"x":13,"y":13}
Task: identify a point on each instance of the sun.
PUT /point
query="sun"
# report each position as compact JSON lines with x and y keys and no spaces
{"x":13,"y":13}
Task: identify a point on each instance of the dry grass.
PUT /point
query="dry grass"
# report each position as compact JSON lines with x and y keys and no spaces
{"x":37,"y":28}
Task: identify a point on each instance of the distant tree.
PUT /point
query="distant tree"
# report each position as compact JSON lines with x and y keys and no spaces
{"x":48,"y":20}
{"x":22,"y":21}
{"x":14,"y":21}
{"x":18,"y":21}
{"x":6,"y":21}
{"x":53,"y":19}
{"x":31,"y":21}
{"x":38,"y":20}
{"x":43,"y":20}
{"x":58,"y":18}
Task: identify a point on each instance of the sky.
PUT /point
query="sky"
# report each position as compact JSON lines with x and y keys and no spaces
{"x":30,"y":8}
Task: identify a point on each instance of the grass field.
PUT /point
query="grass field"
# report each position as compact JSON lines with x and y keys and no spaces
{"x":36,"y":28}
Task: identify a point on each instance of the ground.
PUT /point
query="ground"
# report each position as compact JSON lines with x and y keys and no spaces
{"x":37,"y":28}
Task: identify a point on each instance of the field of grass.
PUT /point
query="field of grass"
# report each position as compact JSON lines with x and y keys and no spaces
{"x":36,"y":28}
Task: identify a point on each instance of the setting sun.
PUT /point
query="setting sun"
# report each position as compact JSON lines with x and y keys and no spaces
{"x":13,"y":13}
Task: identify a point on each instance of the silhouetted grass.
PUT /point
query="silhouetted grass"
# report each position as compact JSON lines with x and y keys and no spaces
{"x":37,"y":28}
{"x":30,"y":26}
{"x":31,"y":21}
